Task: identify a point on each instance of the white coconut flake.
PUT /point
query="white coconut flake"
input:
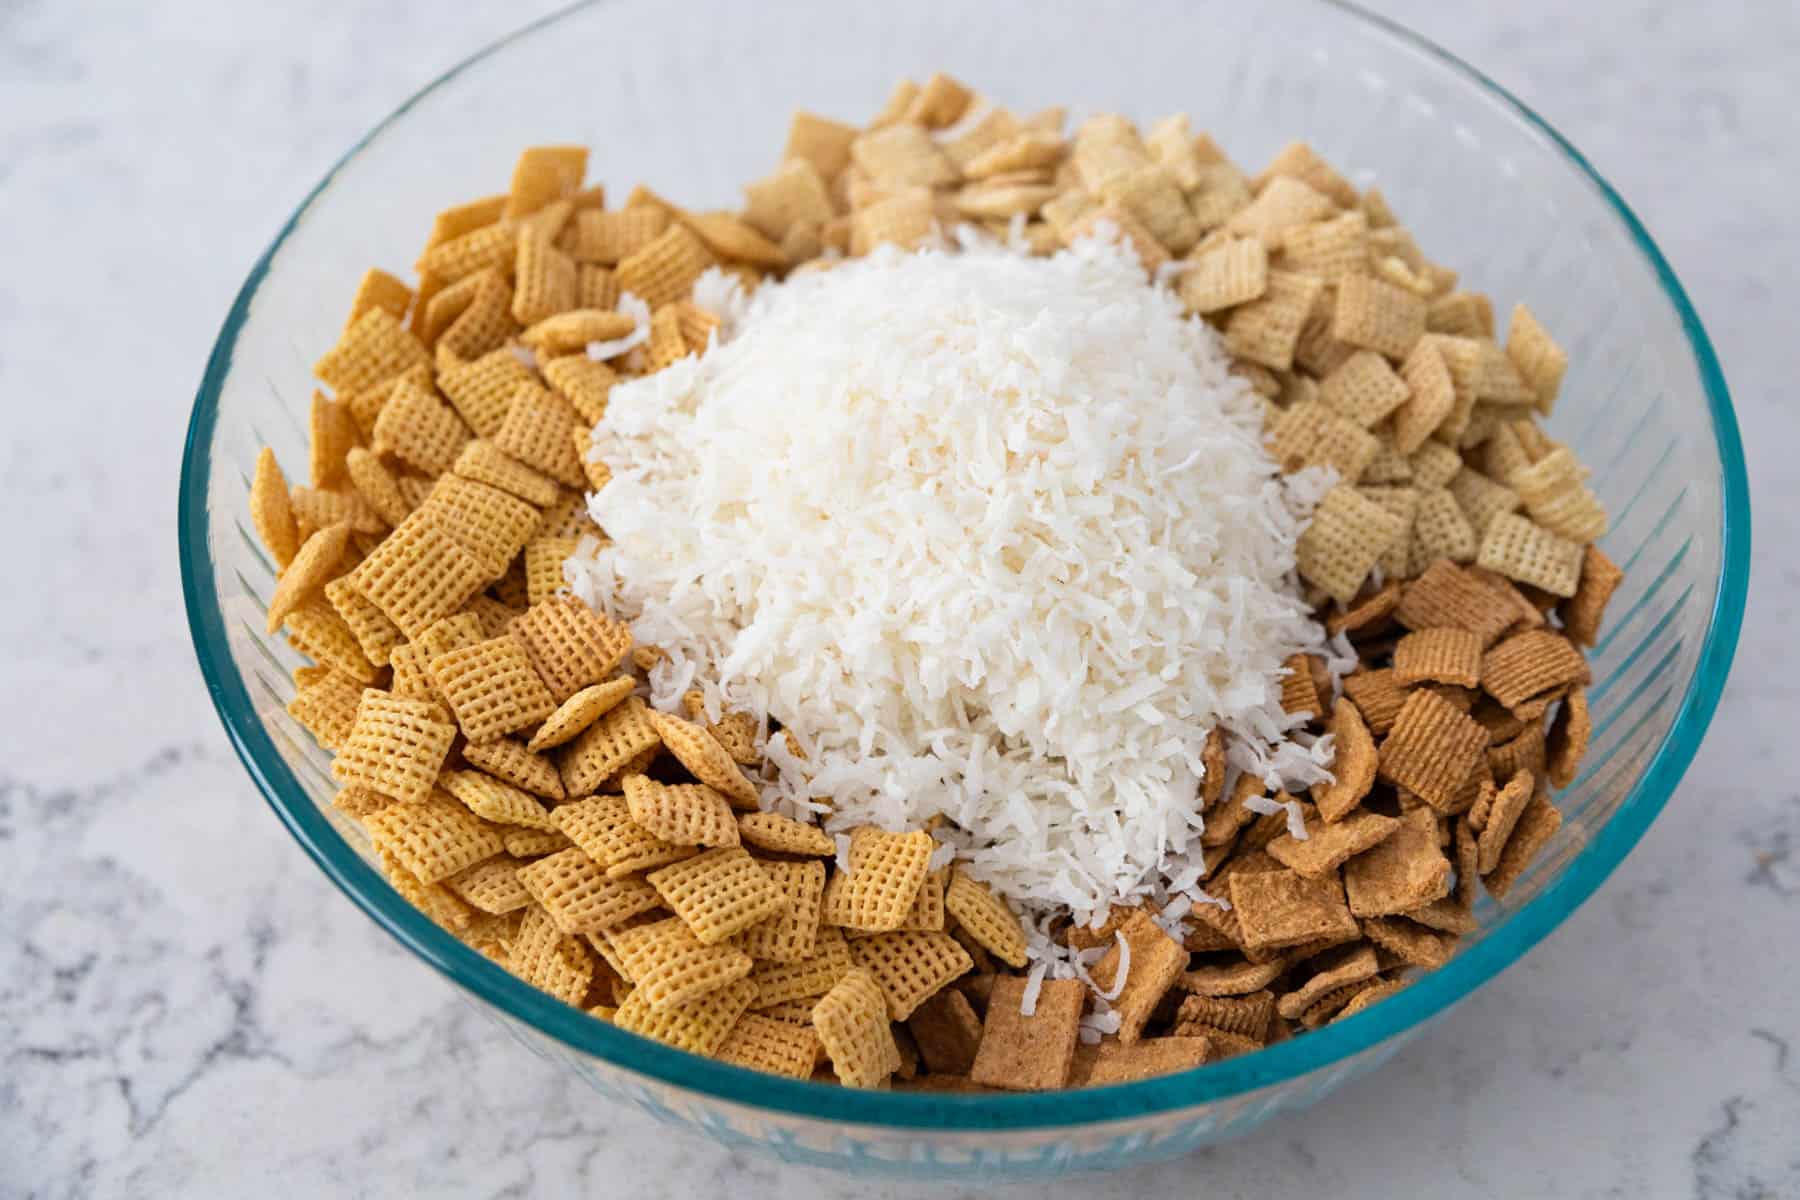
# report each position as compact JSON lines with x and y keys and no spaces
{"x":1034,"y":984}
{"x":994,"y":536}
{"x":843,"y":852}
{"x":638,"y":311}
{"x":943,"y":856}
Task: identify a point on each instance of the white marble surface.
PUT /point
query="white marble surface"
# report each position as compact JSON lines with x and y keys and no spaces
{"x":222,"y":1024}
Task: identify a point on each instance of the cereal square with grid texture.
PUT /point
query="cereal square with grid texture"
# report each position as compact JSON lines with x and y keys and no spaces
{"x":492,"y":688}
{"x":606,"y":746}
{"x":1525,"y":552}
{"x":396,"y":747}
{"x":1347,"y":535}
{"x":493,"y":800}
{"x":419,"y":574}
{"x":579,"y":895}
{"x":1311,"y":434}
{"x":852,"y":1023}
{"x":814,"y":975}
{"x":718,"y":893}
{"x":886,"y":871}
{"x":576,"y":714}
{"x":784,"y":835}
{"x":434,"y":837}
{"x":374,"y":348}
{"x":985,"y":917}
{"x":1267,"y":329}
{"x":703,"y":756}
{"x":776,"y":1047}
{"x":790,"y":935}
{"x":1445,"y":655}
{"x":572,"y":646}
{"x":1378,"y":316}
{"x":671,"y":966}
{"x":1363,"y":388}
{"x":687,"y":814}
{"x":910,"y":966}
{"x":1232,"y":273}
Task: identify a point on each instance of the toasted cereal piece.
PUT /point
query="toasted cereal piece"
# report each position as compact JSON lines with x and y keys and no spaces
{"x":1525,"y":751}
{"x":784,"y":835}
{"x":779,"y":982}
{"x":1150,"y":193}
{"x":902,"y":156}
{"x":700,"y":1026}
{"x":571,"y":332}
{"x":537,"y":431}
{"x":450,"y":633}
{"x":851,"y":1020}
{"x":316,"y":564}
{"x":1409,"y":942}
{"x":419,"y":574}
{"x":1067,"y":212}
{"x":1231,"y":979}
{"x":1267,"y":329}
{"x":544,"y":281}
{"x":1501,"y":817}
{"x":1025,"y":150}
{"x":420,"y":429}
{"x":316,"y":508}
{"x":1336,"y":969}
{"x":795,"y":192}
{"x":482,"y":389}
{"x":596,"y":287}
{"x":1401,"y":502}
{"x":761,"y":1043}
{"x":1404,"y":870}
{"x":1465,"y":314}
{"x":1531,"y":663}
{"x":886,"y":871}
{"x":687,"y":814}
{"x":603,"y":828}
{"x":1434,"y":464}
{"x":492,"y":885}
{"x":433,"y":836}
{"x":1276,"y":909}
{"x":359,"y":802}
{"x":1234,"y":272}
{"x":578,"y":712}
{"x":488,"y":247}
{"x":544,"y":559}
{"x":573,"y":647}
{"x":482,"y":327}
{"x":334,"y":435}
{"x":1221,"y":194}
{"x":1431,"y":750}
{"x":1568,"y":740}
{"x":396,"y":746}
{"x":1282,"y":203}
{"x":1347,"y":535}
{"x":666,"y":268}
{"x":1377,"y":316}
{"x":1536,"y":356}
{"x":1443,"y":655}
{"x":1536,"y":826}
{"x":732,"y":240}
{"x":718,"y":893}
{"x":791,"y":935}
{"x":607,"y":238}
{"x":1312,"y":435}
{"x":586,"y":384}
{"x":270,"y":511}
{"x":671,"y":966}
{"x":1329,"y":846}
{"x":704,"y":758}
{"x":1447,"y":596}
{"x":1299,"y":694}
{"x":579,"y":895}
{"x":491,"y":688}
{"x":820,"y":141}
{"x":378,"y":289}
{"x":485,"y":463}
{"x":1004,"y":198}
{"x":1431,"y":397}
{"x":376,"y":347}
{"x":947,"y":1031}
{"x":444,"y":304}
{"x":1328,"y":249}
{"x":1029,"y":1053}
{"x":543,"y":175}
{"x":492,"y":800}
{"x":433,"y":899}
{"x":666,"y":345}
{"x":1441,"y":530}
{"x":1297,"y":160}
{"x":908,"y":967}
{"x":532,"y":843}
{"x":1245,"y":1016}
{"x":1155,"y":961}
{"x":1518,"y":549}
{"x":905,"y":219}
{"x":376,"y":485}
{"x":610,"y":743}
{"x":1363,"y":388}
{"x":1369,"y":614}
{"x":1107,"y":1063}
{"x":939,"y":104}
{"x":1354,"y":764}
{"x":326,"y":708}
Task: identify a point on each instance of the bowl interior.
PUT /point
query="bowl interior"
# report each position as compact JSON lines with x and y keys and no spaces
{"x":693,"y":100}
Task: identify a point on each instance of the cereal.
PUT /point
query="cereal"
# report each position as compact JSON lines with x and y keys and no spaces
{"x":572,"y":646}
{"x":544,"y":174}
{"x":1347,"y":534}
{"x":761,"y":1043}
{"x":483,"y":462}
{"x":1275,"y":909}
{"x":395,"y":746}
{"x":313,"y":566}
{"x":1282,"y":203}
{"x":702,"y":755}
{"x":1233,"y":979}
{"x":851,"y":1020}
{"x":1537,"y":825}
{"x":611,"y":742}
{"x":784,"y":835}
{"x":905,"y":219}
{"x":1329,"y":249}
{"x":576,"y":714}
{"x":374,"y":348}
{"x":1245,"y":1016}
{"x":1431,"y":749}
{"x":664,"y":269}
{"x":814,"y":975}
{"x":1029,"y":1053}
{"x":1446,"y":596}
{"x":603,"y":828}
{"x":1404,"y":870}
{"x":495,"y":801}
{"x":492,"y":885}
{"x":1363,"y":388}
{"x":433,"y":837}
{"x":510,"y":762}
{"x":886,"y":872}
{"x":1530,"y":664}
{"x":1156,"y":961}
{"x":718,"y":893}
{"x":700,"y":1026}
{"x":791,"y":935}
{"x":586,"y":384}
{"x":491,"y":688}
{"x":1520,"y":550}
{"x":1329,"y":846}
{"x":910,"y":966}
{"x":1502,"y":817}
{"x":1377,"y":316}
{"x":327,"y":708}
{"x":1443,"y":655}
{"x":580,"y":897}
{"x":670,"y":966}
{"x":1267,"y":329}
{"x":1115,"y":1062}
{"x":687,"y":814}
{"x":1569,"y":738}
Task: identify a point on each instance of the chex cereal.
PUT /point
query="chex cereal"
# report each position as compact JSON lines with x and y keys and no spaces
{"x":552,"y":769}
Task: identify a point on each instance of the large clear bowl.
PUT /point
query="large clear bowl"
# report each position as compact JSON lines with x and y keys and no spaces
{"x":693,"y":99}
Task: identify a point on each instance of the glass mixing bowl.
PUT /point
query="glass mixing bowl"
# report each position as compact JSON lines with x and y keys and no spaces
{"x":694,"y":99}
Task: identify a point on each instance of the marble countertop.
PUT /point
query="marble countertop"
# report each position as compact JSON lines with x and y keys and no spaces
{"x":226,"y":1024}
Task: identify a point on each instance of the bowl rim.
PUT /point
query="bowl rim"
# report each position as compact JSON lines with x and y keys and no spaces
{"x":1426,"y":998}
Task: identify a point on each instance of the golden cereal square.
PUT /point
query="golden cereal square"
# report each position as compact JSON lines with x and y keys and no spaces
{"x":419,"y":429}
{"x":1267,"y":329}
{"x":687,"y":814}
{"x":1347,"y":535}
{"x":374,"y":348}
{"x":1378,"y":316}
{"x":700,"y":1026}
{"x":396,"y":747}
{"x":985,"y":917}
{"x":542,"y":175}
{"x":791,"y":935}
{"x":718,"y":893}
{"x":1363,"y":388}
{"x":910,"y":967}
{"x":784,"y":835}
{"x":607,"y":745}
{"x":419,"y":574}
{"x":1431,"y":749}
{"x":886,"y":871}
{"x":665,"y":269}
{"x":671,"y":966}
{"x":775,"y":1047}
{"x":494,"y":800}
{"x":538,"y":431}
{"x":491,"y":688}
{"x":851,"y":1020}
{"x":580,"y":897}
{"x":1232,"y":273}
{"x":434,"y":838}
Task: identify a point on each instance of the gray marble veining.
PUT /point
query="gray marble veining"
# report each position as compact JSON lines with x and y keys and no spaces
{"x":187,"y":1007}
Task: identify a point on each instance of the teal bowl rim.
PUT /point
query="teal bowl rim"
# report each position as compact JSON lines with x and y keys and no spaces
{"x":1278,"y":1064}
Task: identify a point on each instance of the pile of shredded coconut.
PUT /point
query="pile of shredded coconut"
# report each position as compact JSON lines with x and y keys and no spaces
{"x":993,"y":536}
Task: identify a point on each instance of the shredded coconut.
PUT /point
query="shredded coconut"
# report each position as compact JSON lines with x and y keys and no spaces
{"x":993,"y":536}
